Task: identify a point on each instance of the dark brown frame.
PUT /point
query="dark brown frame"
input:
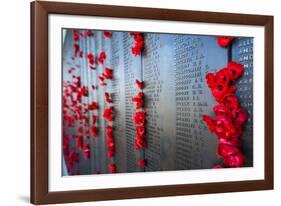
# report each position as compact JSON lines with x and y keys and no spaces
{"x":39,"y":102}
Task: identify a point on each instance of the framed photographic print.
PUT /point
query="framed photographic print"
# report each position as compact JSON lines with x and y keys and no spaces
{"x":133,"y":102}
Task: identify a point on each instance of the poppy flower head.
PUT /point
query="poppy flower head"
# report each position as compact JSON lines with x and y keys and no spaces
{"x":108,"y":73}
{"x":222,"y":76}
{"x":81,"y":54}
{"x":224,"y":41}
{"x":102,"y":57}
{"x":89,"y":33}
{"x":139,"y":118}
{"x":142,"y":163}
{"x":107,"y":97}
{"x":76,"y":49}
{"x":235,"y":70}
{"x":139,"y":43}
{"x":240,"y":116}
{"x":210,"y":122}
{"x":234,"y":160}
{"x":221,"y":110}
{"x":75,"y":35}
{"x":231,"y":101}
{"x":91,"y":59}
{"x":139,"y":84}
{"x":211,"y":80}
{"x":107,"y":34}
{"x":139,"y":143}
{"x":94,"y":131}
{"x":108,"y":114}
{"x":93,"y":106}
{"x":79,"y":143}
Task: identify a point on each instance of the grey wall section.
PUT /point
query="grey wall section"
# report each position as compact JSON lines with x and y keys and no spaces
{"x":242,"y":51}
{"x":173,"y":68}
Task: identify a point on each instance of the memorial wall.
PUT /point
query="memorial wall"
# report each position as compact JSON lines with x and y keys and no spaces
{"x":172,"y":68}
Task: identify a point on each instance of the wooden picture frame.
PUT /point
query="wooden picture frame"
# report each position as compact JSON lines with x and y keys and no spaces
{"x":39,"y":102}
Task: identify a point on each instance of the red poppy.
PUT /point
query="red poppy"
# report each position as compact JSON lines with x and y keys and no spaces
{"x":139,"y":84}
{"x":80,"y":130}
{"x":210,"y":122}
{"x":83,"y":91}
{"x":107,"y":34}
{"x":107,"y":97}
{"x":240,"y":116}
{"x":140,"y":131}
{"x":102,"y":57}
{"x":75,"y":35}
{"x":94,"y":119}
{"x":101,"y":78}
{"x":93,"y":106}
{"x":224,"y":41}
{"x":136,"y":50}
{"x":211,"y":80}
{"x":224,"y":127}
{"x":76,"y":49}
{"x":70,"y":70}
{"x":110,"y":148}
{"x":139,"y":43}
{"x":139,"y":143}
{"x":74,"y":157}
{"x":108,"y":114}
{"x":142,"y":163}
{"x":109,"y":131}
{"x":235,"y":70}
{"x":230,"y":101}
{"x":91,"y":59}
{"x":221,"y":110}
{"x":222,"y":77}
{"x":81,"y":54}
{"x":89,"y":33}
{"x":94,"y":130}
{"x":226,"y":150}
{"x":79,"y":142}
{"x":234,"y":160}
{"x":138,"y":100}
{"x":108,"y":73}
{"x":221,"y":90}
{"x":112,"y":168}
{"x":139,"y":118}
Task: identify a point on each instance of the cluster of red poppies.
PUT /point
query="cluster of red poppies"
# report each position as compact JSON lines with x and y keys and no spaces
{"x":139,"y":121}
{"x":91,"y":60}
{"x":139,"y":43}
{"x":230,"y":117}
{"x":70,"y":154}
{"x":108,"y":116}
{"x":75,"y":39}
{"x":75,"y":112}
{"x":106,"y":75}
{"x":102,"y":57}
